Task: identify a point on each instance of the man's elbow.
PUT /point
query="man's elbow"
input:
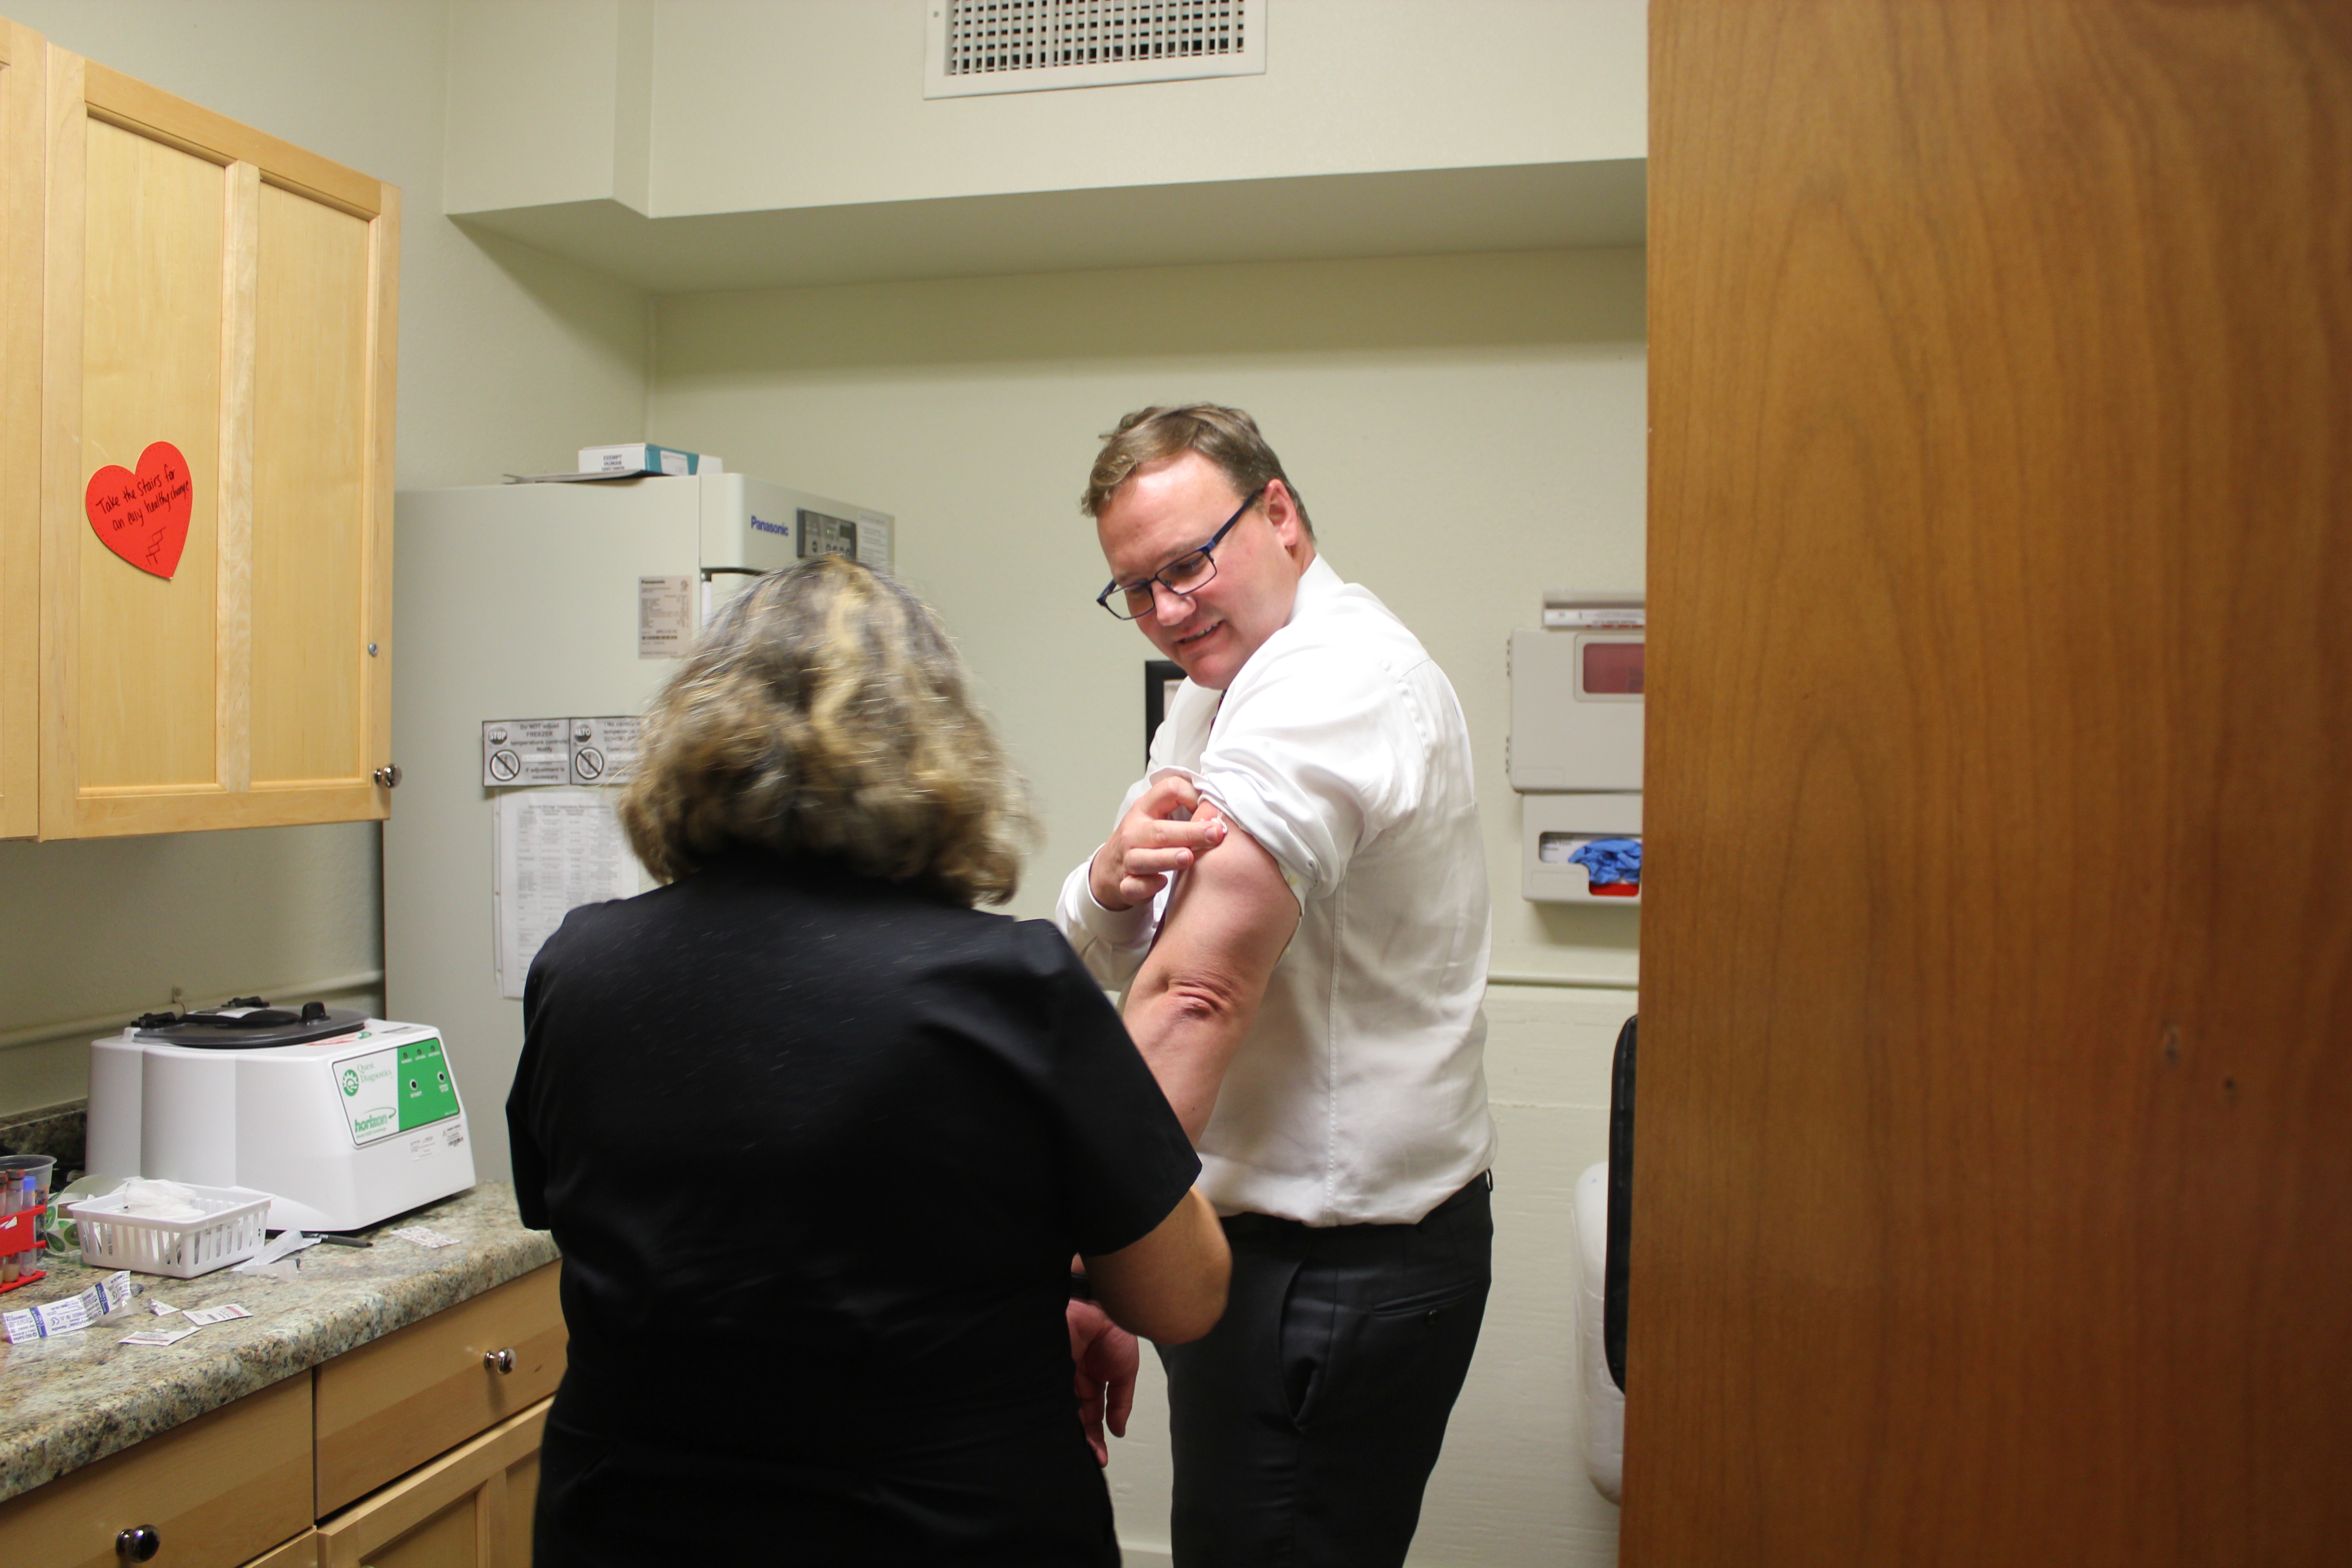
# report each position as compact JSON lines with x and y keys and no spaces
{"x":1207,"y":998}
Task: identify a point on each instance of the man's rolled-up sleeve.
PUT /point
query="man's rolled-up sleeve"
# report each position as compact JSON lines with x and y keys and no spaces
{"x":1110,"y":943}
{"x":1315,"y":759}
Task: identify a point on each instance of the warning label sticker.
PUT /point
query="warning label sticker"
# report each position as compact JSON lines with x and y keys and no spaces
{"x":520,"y":752}
{"x":603,"y":751}
{"x":517,"y":751}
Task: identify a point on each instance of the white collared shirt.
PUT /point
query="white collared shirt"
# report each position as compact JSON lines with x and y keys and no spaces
{"x":1360,"y":1093}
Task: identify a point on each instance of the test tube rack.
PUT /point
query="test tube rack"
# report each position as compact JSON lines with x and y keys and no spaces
{"x":20,"y":1231}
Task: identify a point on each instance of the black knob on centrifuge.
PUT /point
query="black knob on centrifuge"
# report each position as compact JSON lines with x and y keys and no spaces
{"x":138,"y":1544}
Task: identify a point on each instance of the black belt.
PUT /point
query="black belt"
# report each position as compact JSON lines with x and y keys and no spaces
{"x":1271,"y":1225}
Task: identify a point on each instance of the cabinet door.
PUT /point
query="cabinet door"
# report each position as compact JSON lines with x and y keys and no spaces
{"x":226,"y":293}
{"x":469,"y":1508}
{"x":214,"y":1491}
{"x":22,"y":166}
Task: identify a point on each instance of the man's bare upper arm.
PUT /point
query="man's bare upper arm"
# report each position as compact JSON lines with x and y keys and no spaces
{"x":1227,"y":923}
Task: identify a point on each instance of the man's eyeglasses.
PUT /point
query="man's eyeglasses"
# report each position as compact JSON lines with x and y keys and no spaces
{"x":1187,"y":574}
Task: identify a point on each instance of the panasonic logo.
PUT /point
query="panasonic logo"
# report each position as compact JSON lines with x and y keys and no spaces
{"x":765,"y":526}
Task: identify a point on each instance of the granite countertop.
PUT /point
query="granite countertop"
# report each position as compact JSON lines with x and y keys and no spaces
{"x":67,"y":1401}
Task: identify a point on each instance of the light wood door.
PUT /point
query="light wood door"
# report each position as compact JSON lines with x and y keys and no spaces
{"x":470,"y":1508}
{"x":1994,"y":1203}
{"x":231,"y":295}
{"x":23,"y":169}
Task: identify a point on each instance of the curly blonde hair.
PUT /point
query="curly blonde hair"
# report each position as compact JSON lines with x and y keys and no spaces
{"x":824,"y":715}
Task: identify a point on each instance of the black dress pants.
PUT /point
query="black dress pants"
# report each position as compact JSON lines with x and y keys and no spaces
{"x":1305,"y":1424}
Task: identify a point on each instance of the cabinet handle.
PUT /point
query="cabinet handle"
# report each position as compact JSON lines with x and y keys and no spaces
{"x":388,"y":776}
{"x":502,"y":1360}
{"x":138,"y":1544}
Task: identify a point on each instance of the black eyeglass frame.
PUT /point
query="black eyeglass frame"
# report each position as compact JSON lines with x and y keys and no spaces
{"x":1205,"y":552}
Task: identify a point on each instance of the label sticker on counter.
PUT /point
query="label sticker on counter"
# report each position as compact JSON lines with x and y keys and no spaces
{"x":204,"y":1316}
{"x":666,"y":616}
{"x":156,"y":1337}
{"x":64,"y":1317}
{"x":162,"y":1308}
{"x":72,"y":1314}
{"x":424,"y":1237}
{"x":525,"y":751}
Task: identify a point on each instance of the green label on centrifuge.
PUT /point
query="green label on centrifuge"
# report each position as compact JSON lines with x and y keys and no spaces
{"x":395,"y":1089}
{"x":425,"y":1092}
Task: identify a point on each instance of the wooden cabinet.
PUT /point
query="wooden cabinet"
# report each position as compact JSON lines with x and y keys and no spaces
{"x":217,"y":1491}
{"x":469,"y":1508}
{"x":387,"y":1407}
{"x":418,"y":1450}
{"x":214,"y":339}
{"x":23,"y":171}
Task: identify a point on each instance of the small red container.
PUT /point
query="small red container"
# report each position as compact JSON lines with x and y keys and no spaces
{"x":21,"y":1232}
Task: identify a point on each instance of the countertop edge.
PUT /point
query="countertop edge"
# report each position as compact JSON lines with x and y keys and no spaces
{"x":262,"y":1355}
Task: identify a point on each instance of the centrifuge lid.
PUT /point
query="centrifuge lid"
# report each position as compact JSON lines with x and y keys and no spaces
{"x":249,"y":1024}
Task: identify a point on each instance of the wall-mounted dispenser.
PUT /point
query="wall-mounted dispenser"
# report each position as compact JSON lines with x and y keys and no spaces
{"x":1575,"y":749}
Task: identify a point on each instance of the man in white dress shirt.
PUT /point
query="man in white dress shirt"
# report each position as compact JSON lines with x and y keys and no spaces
{"x":1294,"y":901}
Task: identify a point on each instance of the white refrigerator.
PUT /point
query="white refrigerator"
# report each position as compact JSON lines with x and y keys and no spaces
{"x":532,"y":623}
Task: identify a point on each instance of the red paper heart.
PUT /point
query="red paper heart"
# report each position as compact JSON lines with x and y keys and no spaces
{"x":143,"y":516}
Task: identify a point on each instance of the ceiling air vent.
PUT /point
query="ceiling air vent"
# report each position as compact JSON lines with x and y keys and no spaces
{"x":1028,"y":46}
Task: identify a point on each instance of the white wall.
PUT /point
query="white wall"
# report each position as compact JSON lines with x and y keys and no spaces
{"x":816,"y":103}
{"x":509,"y":360}
{"x":1468,"y":430}
{"x":1465,"y":431}
{"x":548,"y":103}
{"x":762,"y":105}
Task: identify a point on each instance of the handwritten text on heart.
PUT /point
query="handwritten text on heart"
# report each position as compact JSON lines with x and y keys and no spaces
{"x":143,"y":516}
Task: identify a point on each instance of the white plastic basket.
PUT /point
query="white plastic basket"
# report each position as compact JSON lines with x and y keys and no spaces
{"x":228,"y":1231}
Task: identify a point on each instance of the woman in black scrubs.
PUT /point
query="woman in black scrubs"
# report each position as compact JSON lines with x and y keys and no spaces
{"x":819,"y":1139}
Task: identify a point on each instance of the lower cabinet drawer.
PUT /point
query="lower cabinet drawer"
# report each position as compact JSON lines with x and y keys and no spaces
{"x":387,"y":1407}
{"x":216,"y":1491}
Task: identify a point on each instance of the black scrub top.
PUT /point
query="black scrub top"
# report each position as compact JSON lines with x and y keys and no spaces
{"x":817,"y":1149}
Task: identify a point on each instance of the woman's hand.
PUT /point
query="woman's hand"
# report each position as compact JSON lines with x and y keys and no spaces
{"x":1104,"y":1356}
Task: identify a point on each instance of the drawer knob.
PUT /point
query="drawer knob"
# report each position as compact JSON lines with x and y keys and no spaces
{"x":502,"y":1359}
{"x":138,"y":1544}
